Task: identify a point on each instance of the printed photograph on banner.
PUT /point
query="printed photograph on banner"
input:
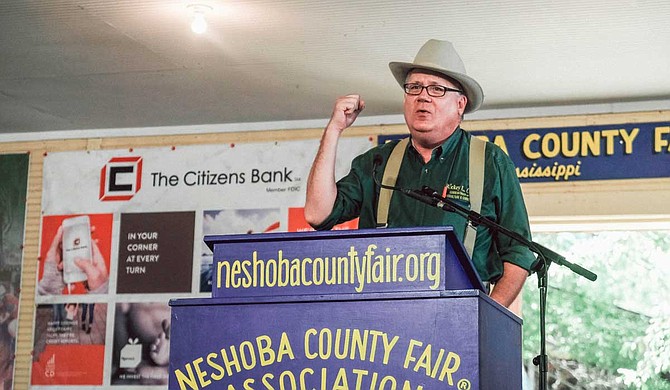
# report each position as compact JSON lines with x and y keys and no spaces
{"x":75,"y":254}
{"x":297,"y":223}
{"x":141,"y":344}
{"x":155,"y":252}
{"x":243,"y":221}
{"x":69,"y":344}
{"x":14,"y":179}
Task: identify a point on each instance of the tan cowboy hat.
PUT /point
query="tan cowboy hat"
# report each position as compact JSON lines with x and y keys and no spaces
{"x":441,"y":57}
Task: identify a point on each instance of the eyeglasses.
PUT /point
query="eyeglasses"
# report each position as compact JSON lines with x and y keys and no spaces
{"x":433,"y":90}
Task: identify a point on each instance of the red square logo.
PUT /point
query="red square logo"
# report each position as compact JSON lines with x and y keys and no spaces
{"x":120,"y":178}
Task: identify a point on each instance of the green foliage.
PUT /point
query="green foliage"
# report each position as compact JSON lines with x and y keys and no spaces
{"x":653,"y":369}
{"x":616,"y":323}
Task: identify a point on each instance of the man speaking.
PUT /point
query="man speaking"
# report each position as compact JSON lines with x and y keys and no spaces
{"x":438,"y":154}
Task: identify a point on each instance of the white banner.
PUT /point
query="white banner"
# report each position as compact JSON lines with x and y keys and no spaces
{"x":147,"y":211}
{"x":248,"y":175}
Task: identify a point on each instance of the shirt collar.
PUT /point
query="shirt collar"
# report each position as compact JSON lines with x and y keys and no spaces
{"x":447,"y":147}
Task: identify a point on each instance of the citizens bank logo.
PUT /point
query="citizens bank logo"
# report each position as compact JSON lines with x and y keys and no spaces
{"x":120,"y":178}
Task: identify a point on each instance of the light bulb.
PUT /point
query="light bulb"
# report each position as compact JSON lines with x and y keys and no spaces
{"x":199,"y":24}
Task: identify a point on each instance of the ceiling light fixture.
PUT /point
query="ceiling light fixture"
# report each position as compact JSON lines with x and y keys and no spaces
{"x":199,"y":23}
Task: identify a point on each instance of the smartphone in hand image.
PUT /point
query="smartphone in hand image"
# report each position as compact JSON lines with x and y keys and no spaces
{"x":76,"y":245}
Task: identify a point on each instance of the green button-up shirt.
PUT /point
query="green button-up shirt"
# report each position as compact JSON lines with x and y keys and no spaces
{"x":447,"y":170}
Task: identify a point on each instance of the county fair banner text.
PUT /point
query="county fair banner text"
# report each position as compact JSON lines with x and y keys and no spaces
{"x":603,"y":152}
{"x":140,"y":216}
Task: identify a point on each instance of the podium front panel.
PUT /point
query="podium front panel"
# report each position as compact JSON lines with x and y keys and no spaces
{"x":385,"y":341}
{"x":340,"y":262}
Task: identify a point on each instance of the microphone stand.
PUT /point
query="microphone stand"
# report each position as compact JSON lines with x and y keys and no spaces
{"x":545,"y":256}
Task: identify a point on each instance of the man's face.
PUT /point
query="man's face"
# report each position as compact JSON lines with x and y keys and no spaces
{"x":431,"y":120}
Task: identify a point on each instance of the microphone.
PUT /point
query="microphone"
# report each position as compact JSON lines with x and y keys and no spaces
{"x":430,"y":196}
{"x":428,"y":199}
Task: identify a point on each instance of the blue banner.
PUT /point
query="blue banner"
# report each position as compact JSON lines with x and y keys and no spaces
{"x":602,"y":152}
{"x":340,"y":262}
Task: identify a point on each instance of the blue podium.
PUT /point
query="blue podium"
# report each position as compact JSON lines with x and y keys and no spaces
{"x":363,"y":309}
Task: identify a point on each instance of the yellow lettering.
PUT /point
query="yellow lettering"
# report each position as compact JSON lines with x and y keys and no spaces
{"x":294,"y":276}
{"x":183,"y":380}
{"x":272,"y":271}
{"x":440,"y":355}
{"x":522,"y":173}
{"x":219,"y":266}
{"x":628,"y":139}
{"x":248,"y":358}
{"x":325,"y":344}
{"x":291,"y":378}
{"x":450,"y":367}
{"x":551,"y":145}
{"x":235,"y":270}
{"x":231,"y":362}
{"x":303,"y":373}
{"x":387,"y":379}
{"x":359,"y":344}
{"x":659,"y":142}
{"x":566,"y":150}
{"x":342,"y":347}
{"x":424,"y":360}
{"x":247,"y":384}
{"x":308,"y":354}
{"x":359,"y":378}
{"x":526,"y":146}
{"x":201,"y":374}
{"x":411,"y":267}
{"x":341,"y":380}
{"x":609,"y":140}
{"x":409,"y":358}
{"x":218,"y":368}
{"x":371,"y":268}
{"x":319,"y":271}
{"x":590,"y":143}
{"x":283,"y":269}
{"x":265,"y":353}
{"x":434,"y":270}
{"x":377,"y":269}
{"x":373,"y":348}
{"x":305,"y":280}
{"x":265,"y":381}
{"x":388,"y":346}
{"x":284,"y":348}
{"x":259,"y":270}
{"x":394,"y":272}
